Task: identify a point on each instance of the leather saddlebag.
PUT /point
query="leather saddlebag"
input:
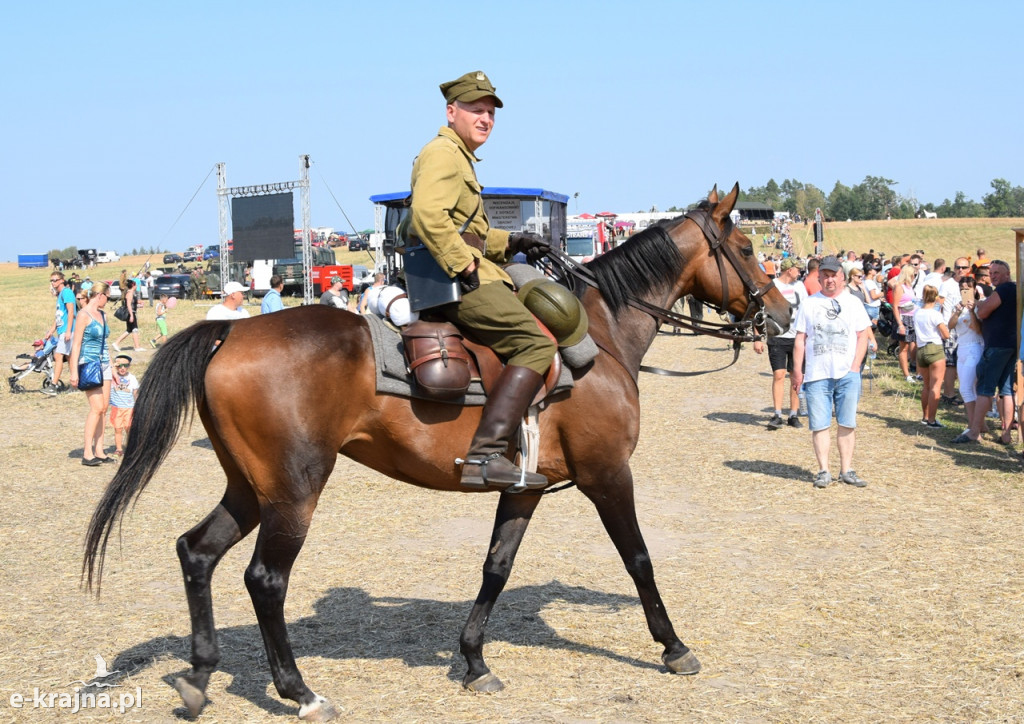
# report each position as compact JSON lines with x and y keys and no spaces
{"x":437,"y":359}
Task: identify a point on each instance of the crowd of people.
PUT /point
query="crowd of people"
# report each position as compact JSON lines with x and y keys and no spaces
{"x":81,"y":328}
{"x":952,"y":328}
{"x":82,"y":335}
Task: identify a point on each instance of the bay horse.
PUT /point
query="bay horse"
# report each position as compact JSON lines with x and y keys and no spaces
{"x":278,"y":450}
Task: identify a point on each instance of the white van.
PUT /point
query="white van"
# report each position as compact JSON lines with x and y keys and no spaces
{"x":102,"y":256}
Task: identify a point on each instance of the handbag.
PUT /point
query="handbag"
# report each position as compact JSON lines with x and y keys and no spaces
{"x":122,"y":312}
{"x":90,"y":375}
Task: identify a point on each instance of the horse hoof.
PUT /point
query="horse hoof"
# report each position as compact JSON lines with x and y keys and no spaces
{"x":486,"y":684}
{"x":686,"y":664}
{"x":320,"y":709}
{"x":192,"y":696}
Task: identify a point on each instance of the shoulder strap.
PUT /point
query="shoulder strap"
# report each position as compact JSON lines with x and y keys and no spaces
{"x":462,"y":229}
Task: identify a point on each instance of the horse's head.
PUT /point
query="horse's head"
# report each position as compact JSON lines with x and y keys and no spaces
{"x":726,"y":273}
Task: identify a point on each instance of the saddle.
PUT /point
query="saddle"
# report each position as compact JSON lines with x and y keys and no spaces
{"x":443,"y":362}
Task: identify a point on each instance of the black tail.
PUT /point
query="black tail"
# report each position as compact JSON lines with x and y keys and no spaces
{"x":173,"y":381}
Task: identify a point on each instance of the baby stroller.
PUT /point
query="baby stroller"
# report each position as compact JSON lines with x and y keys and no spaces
{"x":886,"y":329}
{"x":41,"y":360}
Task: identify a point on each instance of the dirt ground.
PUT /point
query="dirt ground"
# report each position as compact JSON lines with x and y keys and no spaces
{"x":898,"y":602}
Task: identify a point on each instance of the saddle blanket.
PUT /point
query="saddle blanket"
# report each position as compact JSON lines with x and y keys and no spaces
{"x":393,"y":378}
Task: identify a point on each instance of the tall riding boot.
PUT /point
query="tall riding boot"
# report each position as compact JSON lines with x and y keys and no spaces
{"x":486,"y":465}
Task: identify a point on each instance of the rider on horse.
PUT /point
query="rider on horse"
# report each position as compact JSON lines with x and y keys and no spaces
{"x":447,"y":201}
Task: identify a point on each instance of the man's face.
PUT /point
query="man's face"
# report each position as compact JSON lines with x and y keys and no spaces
{"x":999,"y":274}
{"x":832,"y":282}
{"x":472,"y":122}
{"x":960,"y":267}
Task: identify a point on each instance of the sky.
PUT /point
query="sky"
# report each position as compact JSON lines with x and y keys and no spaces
{"x":115,"y":113}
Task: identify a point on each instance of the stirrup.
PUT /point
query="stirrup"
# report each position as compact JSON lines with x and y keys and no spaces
{"x":485,"y":484}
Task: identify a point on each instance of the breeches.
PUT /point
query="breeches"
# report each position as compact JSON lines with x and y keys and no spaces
{"x":493,"y":316}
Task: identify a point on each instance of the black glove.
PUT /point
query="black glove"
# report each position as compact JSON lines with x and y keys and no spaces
{"x":469,"y":282}
{"x":528,"y":243}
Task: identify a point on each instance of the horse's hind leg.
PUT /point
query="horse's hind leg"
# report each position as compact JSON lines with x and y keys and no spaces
{"x":283,"y":527}
{"x":616,"y":507}
{"x":199,"y":551}
{"x":510,"y":522}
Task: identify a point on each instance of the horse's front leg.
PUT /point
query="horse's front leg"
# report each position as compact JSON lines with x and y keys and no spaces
{"x":613,"y":498}
{"x":510,"y":522}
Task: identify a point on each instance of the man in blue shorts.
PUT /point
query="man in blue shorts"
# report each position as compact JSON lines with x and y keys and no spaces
{"x":998,"y":316}
{"x":61,"y":329}
{"x":831,"y":340}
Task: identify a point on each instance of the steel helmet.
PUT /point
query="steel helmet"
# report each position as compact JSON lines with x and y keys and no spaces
{"x":558,"y":308}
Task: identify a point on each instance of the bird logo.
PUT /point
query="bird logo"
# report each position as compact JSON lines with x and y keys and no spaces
{"x":98,"y":679}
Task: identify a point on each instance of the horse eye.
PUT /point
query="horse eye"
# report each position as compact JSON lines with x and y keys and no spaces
{"x":748,"y":250}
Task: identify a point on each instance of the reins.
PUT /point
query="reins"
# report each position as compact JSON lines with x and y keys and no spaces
{"x":744,"y":330}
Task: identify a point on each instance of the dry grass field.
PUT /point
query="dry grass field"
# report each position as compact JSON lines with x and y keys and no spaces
{"x":898,"y":602}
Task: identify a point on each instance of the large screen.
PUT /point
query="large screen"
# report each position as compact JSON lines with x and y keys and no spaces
{"x":263,"y":227}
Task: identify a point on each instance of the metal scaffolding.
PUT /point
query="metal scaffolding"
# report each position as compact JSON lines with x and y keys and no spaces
{"x":225,"y":193}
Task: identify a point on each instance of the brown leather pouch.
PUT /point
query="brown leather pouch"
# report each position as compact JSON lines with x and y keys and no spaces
{"x":437,"y":359}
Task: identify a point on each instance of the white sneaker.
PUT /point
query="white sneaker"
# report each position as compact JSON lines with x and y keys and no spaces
{"x":116,"y":348}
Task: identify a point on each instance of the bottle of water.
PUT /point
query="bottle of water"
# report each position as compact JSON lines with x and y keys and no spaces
{"x":872,"y":350}
{"x":803,"y":402}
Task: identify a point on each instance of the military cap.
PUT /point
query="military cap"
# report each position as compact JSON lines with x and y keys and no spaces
{"x":470,"y":87}
{"x":789,"y":262}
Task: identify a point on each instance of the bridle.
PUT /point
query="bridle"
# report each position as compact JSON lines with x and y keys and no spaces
{"x":749,"y":328}
{"x":754,"y":316}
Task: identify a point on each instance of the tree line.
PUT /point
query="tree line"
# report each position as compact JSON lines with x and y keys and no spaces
{"x":875,"y":198}
{"x":71,"y":252}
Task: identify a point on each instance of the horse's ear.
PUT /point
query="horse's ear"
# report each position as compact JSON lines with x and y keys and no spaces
{"x":725,"y":207}
{"x":713,"y":196}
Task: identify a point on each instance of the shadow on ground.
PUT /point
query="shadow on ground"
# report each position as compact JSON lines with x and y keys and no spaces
{"x":351,"y":624}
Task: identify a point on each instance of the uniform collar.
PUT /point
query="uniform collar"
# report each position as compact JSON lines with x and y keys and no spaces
{"x":452,"y":135}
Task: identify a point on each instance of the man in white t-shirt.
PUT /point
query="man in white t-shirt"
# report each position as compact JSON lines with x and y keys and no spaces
{"x":231,"y":306}
{"x":832,"y":332}
{"x":949,"y":290}
{"x":780,"y":347}
{"x":852,"y":262}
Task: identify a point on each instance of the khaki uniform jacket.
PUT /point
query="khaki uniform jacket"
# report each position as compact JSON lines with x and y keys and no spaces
{"x":445,"y":193}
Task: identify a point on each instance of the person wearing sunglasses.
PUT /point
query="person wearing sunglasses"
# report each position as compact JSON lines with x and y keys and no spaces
{"x":123,"y":393}
{"x":89,"y":344}
{"x":62,"y":329}
{"x":832,"y":333}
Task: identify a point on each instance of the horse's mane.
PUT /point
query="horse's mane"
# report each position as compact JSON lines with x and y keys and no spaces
{"x":648,"y":262}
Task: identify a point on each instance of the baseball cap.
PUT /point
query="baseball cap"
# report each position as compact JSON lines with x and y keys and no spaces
{"x":470,"y":87}
{"x":789,"y":262}
{"x":232,"y":287}
{"x":830,"y":263}
{"x":335,"y":280}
